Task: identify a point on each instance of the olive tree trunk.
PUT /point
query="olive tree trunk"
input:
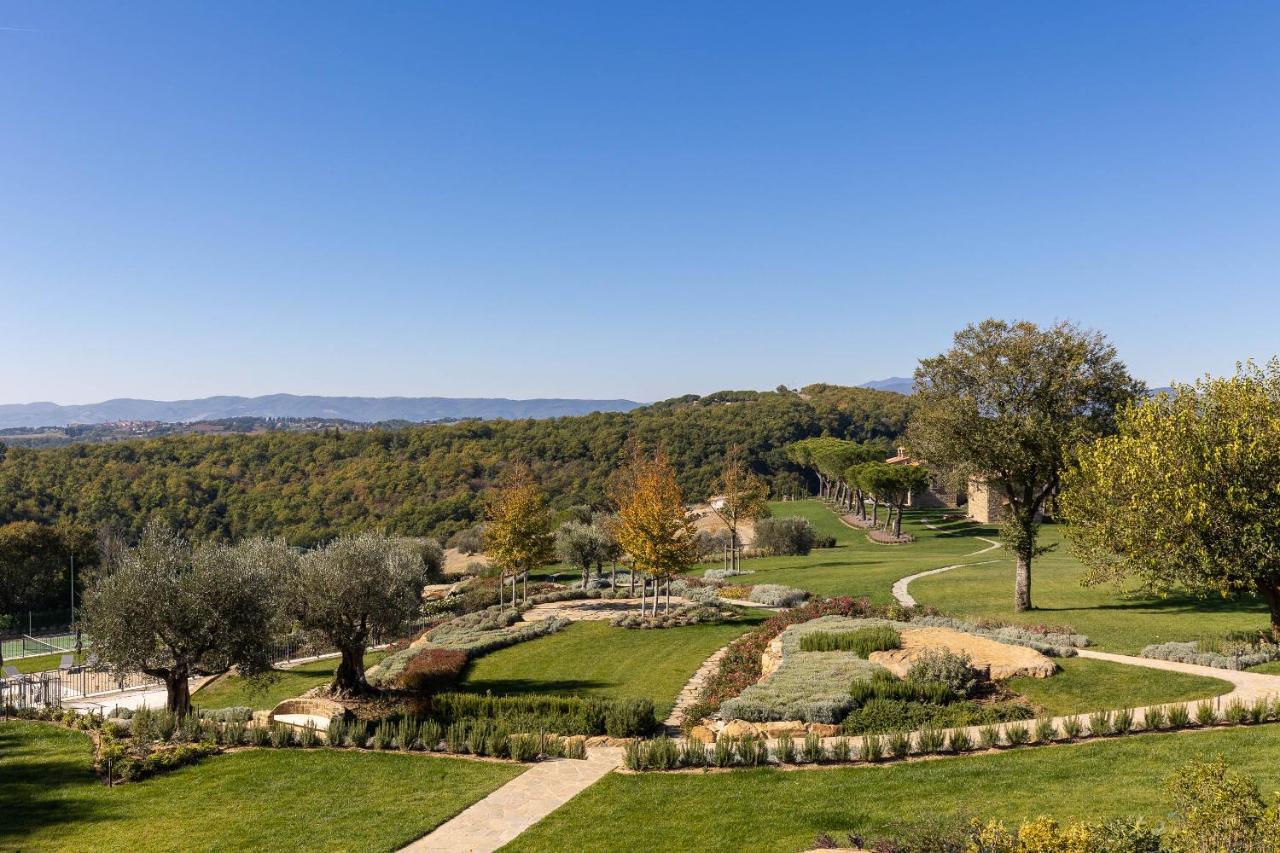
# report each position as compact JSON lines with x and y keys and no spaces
{"x":177,"y":688}
{"x":349,"y":678}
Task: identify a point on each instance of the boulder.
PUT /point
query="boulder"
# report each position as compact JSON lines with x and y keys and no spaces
{"x":739,"y":728}
{"x":824,"y":729}
{"x":771,"y":657}
{"x":795,"y":728}
{"x":703,"y":734}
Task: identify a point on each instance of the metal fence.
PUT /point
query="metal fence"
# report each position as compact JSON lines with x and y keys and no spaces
{"x":31,"y":691}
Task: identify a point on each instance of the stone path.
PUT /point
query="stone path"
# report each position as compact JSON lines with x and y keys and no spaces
{"x":519,"y":804}
{"x":692,"y":689}
{"x":900,"y":586}
{"x":594,"y":609}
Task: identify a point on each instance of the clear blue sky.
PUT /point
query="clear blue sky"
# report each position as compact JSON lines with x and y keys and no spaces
{"x":633,"y":200}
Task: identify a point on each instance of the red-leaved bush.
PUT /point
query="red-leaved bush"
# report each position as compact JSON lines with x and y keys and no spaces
{"x":432,"y":670}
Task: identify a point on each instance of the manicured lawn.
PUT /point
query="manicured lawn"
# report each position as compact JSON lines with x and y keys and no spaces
{"x":760,"y":810}
{"x":594,"y":659}
{"x":42,"y":663}
{"x":1114,"y":620}
{"x":234,"y":691}
{"x":1093,"y":685}
{"x":253,"y":800}
{"x":859,"y":567}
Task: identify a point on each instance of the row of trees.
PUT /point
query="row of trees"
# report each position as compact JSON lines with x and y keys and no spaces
{"x":849,"y":474}
{"x":173,"y":609}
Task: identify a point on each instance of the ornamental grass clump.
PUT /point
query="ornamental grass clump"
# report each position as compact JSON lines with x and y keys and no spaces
{"x":785,"y":750}
{"x":662,"y":754}
{"x":811,"y":751}
{"x":989,"y":737}
{"x":281,"y":735}
{"x":455,"y":737}
{"x":930,"y":740}
{"x":958,"y":741}
{"x":1017,"y":734}
{"x":841,"y":750}
{"x":258,"y":736}
{"x":1122,"y":721}
{"x":899,"y":744}
{"x":576,"y":748}
{"x":873,"y":748}
{"x":862,"y":642}
{"x":632,"y":755}
{"x":407,"y":734}
{"x":336,"y":734}
{"x":1179,"y":716}
{"x":693,"y":753}
{"x":752,"y":752}
{"x":525,"y":747}
{"x":723,"y":752}
{"x":1100,"y":724}
{"x":308,"y":737}
{"x":1236,"y":713}
{"x":1155,"y":719}
{"x":429,"y":734}
{"x":1206,"y":714}
{"x":1046,"y":731}
{"x":1259,"y":710}
{"x":1072,"y":728}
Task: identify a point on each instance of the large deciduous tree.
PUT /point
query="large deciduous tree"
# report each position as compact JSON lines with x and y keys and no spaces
{"x":354,"y":589}
{"x":743,"y":497}
{"x":1011,"y":403}
{"x":519,"y":535}
{"x":173,"y":610}
{"x":1187,"y":492}
{"x":652,"y":525}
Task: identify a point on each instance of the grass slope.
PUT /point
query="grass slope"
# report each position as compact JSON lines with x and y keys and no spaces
{"x":1084,"y":685}
{"x":42,"y":663}
{"x":234,"y":691}
{"x":760,"y":810}
{"x":1114,"y":620}
{"x":594,"y":659}
{"x":263,"y":800}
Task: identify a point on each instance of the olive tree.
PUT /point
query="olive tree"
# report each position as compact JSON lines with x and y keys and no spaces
{"x":354,"y":588}
{"x":583,"y":546}
{"x":1011,"y":403}
{"x":173,"y":610}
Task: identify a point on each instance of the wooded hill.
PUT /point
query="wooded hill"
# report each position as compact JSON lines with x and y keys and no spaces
{"x":424,"y":480}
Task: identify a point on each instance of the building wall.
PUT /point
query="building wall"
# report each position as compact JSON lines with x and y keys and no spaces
{"x":985,"y":504}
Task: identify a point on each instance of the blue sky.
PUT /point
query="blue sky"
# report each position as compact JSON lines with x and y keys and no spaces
{"x":622,"y":200}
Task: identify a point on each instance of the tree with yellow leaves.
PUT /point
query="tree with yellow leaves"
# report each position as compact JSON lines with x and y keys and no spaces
{"x":742,"y":498}
{"x":652,"y":525}
{"x":520,"y":534}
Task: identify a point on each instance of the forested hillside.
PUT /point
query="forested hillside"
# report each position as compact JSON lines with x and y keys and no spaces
{"x":425,"y":480}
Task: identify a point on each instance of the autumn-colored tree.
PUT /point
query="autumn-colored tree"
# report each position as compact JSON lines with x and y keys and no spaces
{"x":742,"y":498}
{"x":652,"y":525}
{"x":1185,"y":494}
{"x":1012,"y":403}
{"x":520,"y":533}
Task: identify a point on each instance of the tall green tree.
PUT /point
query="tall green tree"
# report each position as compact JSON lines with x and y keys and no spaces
{"x":1187,"y":493}
{"x":173,"y":610}
{"x":583,"y":546}
{"x":1012,"y":403}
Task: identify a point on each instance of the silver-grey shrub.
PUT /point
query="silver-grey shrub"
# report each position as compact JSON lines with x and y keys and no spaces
{"x":777,"y":595}
{"x":1191,"y":652}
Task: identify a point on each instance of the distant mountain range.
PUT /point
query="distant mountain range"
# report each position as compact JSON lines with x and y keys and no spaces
{"x":896,"y":384}
{"x":360,"y":409}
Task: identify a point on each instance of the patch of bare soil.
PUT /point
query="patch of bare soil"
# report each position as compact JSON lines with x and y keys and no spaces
{"x":1005,"y":660}
{"x":705,"y":518}
{"x":456,"y":562}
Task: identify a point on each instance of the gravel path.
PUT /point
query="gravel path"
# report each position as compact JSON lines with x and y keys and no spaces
{"x":900,"y":586}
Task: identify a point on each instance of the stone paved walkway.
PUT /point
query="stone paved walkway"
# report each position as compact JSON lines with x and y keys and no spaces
{"x":691,"y":690}
{"x":519,"y":804}
{"x":594,"y":609}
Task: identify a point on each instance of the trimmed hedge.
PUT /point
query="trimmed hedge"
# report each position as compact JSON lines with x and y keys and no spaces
{"x":565,"y":715}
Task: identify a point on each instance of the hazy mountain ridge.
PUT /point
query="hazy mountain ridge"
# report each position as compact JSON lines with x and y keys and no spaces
{"x":360,"y":409}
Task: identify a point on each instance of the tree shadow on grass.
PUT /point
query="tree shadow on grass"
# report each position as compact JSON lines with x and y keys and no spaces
{"x":39,"y":779}
{"x":508,"y":686}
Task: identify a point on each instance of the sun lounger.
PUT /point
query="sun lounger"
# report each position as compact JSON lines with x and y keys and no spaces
{"x":66,"y":662}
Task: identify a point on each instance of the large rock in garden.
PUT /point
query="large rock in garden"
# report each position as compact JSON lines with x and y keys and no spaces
{"x":771,"y":657}
{"x":1004,"y":659}
{"x":703,"y":734}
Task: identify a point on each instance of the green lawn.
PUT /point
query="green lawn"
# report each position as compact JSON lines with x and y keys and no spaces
{"x":859,"y":567}
{"x":234,"y":691}
{"x":1084,"y":685}
{"x":1114,"y":620}
{"x":759,"y":810}
{"x":261,"y":800}
{"x":42,"y":663}
{"x":594,"y":659}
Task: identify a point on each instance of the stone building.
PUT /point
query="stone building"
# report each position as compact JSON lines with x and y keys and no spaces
{"x":936,"y":496}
